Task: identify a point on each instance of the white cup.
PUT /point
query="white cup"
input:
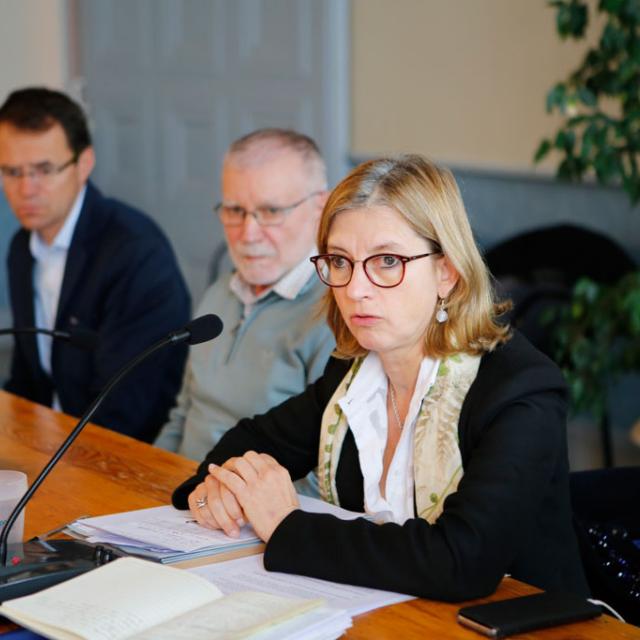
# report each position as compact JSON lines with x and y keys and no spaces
{"x":13,"y":485}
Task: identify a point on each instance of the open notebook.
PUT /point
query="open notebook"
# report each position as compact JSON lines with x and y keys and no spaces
{"x":135,"y":599}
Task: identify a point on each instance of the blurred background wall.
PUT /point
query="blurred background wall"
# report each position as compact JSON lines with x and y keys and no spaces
{"x":463,"y":80}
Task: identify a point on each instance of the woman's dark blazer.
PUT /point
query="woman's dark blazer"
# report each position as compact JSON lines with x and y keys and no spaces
{"x":510,"y":514}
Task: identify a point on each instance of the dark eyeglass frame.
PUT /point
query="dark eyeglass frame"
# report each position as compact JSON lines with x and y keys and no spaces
{"x":40,"y":171}
{"x":259,"y":212}
{"x":352,"y":264}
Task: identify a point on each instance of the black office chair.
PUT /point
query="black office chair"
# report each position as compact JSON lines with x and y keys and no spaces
{"x":606,"y":507}
{"x":538,"y":269}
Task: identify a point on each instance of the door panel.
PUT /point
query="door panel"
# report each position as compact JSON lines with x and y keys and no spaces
{"x":170,"y":84}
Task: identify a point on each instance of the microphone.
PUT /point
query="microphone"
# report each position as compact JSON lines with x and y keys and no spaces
{"x":50,"y":562}
{"x":201,"y":329}
{"x":77,"y":337}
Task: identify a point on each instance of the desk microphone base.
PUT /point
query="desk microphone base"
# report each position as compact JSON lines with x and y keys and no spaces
{"x":39,"y":564}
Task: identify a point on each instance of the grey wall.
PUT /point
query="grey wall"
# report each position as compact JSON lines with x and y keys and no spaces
{"x":502,"y":205}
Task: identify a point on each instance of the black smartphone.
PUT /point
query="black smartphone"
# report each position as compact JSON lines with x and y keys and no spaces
{"x":526,"y":613}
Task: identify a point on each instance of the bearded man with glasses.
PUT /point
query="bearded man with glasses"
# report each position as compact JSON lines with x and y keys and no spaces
{"x":274,"y":187}
{"x":82,"y":261}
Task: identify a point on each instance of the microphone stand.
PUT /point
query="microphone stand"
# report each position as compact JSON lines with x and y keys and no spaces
{"x":54,"y":333}
{"x":47,"y":563}
{"x":82,"y":338}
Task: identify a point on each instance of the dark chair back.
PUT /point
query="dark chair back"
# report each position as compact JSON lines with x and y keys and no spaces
{"x":606,"y":507}
{"x":539,"y":268}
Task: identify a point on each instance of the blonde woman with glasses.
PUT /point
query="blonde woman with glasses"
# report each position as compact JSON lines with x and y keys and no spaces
{"x":435,"y":419}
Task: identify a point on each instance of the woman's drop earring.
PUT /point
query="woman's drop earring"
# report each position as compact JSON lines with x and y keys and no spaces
{"x":442,"y":315}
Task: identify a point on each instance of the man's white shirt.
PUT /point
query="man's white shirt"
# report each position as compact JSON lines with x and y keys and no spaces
{"x":48,"y":273}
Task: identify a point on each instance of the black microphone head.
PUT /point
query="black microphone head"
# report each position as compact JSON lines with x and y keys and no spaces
{"x":204,"y":328}
{"x":83,"y":338}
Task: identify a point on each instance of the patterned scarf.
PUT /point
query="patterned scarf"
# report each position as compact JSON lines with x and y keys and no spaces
{"x":437,"y":463}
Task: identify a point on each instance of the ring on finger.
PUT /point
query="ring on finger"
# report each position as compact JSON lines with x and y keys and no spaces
{"x":201,"y":502}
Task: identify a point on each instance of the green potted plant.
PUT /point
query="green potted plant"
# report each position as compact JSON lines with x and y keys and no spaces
{"x":598,"y":333}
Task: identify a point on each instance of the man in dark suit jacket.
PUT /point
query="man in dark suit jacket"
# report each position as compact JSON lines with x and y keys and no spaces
{"x":82,"y":261}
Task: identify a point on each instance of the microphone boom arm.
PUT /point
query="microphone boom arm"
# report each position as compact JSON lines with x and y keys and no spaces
{"x":68,"y":441}
{"x":64,"y":559}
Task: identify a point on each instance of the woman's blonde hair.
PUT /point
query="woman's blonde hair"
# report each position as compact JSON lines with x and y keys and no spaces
{"x":428,"y":198}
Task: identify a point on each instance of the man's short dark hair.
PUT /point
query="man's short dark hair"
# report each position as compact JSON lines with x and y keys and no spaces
{"x":39,"y":109}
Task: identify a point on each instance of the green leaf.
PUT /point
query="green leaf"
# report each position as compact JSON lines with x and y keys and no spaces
{"x":556,"y":97}
{"x":571,"y":18}
{"x":587,"y":289}
{"x":587,"y":97}
{"x":631,"y":185}
{"x":599,"y":339}
{"x":576,"y":120}
{"x":593,"y":58}
{"x":543,"y":150}
{"x":606,"y":165}
{"x":613,"y":38}
{"x":631,"y":12}
{"x":564,"y":171}
{"x":600,"y":137}
{"x":629,"y":73}
{"x":565,"y":140}
{"x":588,"y":139}
{"x":612,"y":6}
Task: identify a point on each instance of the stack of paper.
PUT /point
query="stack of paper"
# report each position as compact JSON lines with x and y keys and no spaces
{"x":169,"y":535}
{"x":161,"y":533}
{"x":131,"y":599}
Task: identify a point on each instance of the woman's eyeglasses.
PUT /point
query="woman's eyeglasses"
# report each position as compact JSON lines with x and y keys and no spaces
{"x":383,"y":269}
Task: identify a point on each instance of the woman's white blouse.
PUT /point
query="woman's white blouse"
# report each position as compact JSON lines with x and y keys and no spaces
{"x":365,"y":408}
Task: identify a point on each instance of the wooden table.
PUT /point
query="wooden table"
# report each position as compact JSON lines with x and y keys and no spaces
{"x":104,"y":472}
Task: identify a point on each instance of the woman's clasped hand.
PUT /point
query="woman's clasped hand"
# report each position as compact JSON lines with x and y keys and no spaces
{"x":251,"y":488}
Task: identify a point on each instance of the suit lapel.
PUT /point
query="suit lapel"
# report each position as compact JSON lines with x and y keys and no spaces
{"x":76,"y":257}
{"x":76,"y":260}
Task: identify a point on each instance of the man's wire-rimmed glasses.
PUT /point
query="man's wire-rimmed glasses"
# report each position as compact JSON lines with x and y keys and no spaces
{"x":265,"y":216}
{"x":385,"y":270}
{"x":40,"y":171}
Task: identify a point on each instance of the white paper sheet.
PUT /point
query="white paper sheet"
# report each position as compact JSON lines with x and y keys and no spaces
{"x":313,"y":505}
{"x":165,"y":528}
{"x":249,"y":573}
